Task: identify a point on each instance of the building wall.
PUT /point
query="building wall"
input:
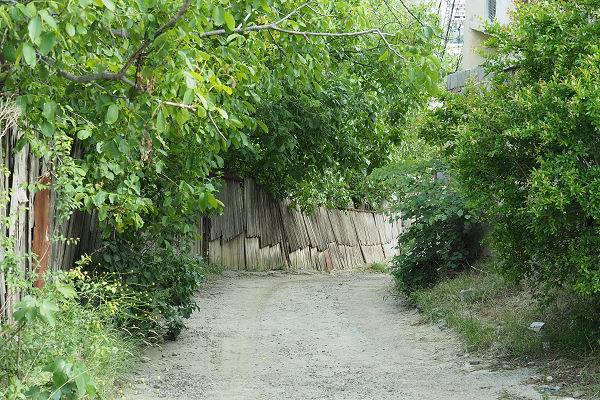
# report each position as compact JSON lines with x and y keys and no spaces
{"x":477,"y":14}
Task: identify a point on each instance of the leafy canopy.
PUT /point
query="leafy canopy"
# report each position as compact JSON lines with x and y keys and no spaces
{"x":319,"y":146}
{"x":136,"y":102}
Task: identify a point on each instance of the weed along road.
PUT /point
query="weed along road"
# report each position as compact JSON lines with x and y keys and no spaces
{"x":301,"y":335}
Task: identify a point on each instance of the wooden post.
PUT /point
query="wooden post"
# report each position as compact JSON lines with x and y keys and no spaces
{"x":41,"y":231}
{"x":205,"y":238}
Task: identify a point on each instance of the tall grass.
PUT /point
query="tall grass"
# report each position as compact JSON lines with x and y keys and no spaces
{"x":80,"y":334}
{"x":498,"y":316}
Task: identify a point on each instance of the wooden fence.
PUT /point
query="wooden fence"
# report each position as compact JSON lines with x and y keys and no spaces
{"x":255,"y":231}
{"x":258,"y":232}
{"x":33,"y":223}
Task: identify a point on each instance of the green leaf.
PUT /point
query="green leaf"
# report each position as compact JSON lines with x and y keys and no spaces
{"x":84,"y":134}
{"x":48,"y":19}
{"x":384,"y":56}
{"x":182,"y":116}
{"x":214,"y":203}
{"x":112,"y":114}
{"x":29,"y":55}
{"x":142,"y":5}
{"x":161,"y":122}
{"x":99,"y":198}
{"x":49,"y":110}
{"x":263,"y":126}
{"x":190,"y":81}
{"x":188,"y":97}
{"x":203,"y":201}
{"x":234,"y":36}
{"x":48,"y":42}
{"x":219,"y":15}
{"x":223,"y":113}
{"x":35,"y":29}
{"x":80,"y":383}
{"x":202,"y":99}
{"x":70,"y":29}
{"x":31,"y":10}
{"x":229,"y":21}
{"x":47,"y":128}
{"x":109,"y":4}
{"x":226,"y":89}
{"x":20,"y":144}
{"x":427,"y":32}
{"x":47,"y":311}
{"x":67,"y":291}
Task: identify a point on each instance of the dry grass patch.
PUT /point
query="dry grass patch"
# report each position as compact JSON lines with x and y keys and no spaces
{"x":495,"y":321}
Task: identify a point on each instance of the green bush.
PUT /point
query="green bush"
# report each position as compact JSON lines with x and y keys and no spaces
{"x":528,"y":141}
{"x":160,"y":281}
{"x":441,"y":238}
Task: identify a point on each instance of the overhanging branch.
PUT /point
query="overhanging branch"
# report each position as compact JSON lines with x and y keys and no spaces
{"x":240,"y":30}
{"x":121,"y":74}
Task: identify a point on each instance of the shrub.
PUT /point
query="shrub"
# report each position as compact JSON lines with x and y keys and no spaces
{"x":441,"y":238}
{"x":158,"y":281}
{"x":529,"y":141}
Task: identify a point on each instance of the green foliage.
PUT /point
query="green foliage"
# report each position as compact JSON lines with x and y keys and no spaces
{"x":136,"y":103}
{"x":58,"y":348}
{"x":498,"y":316}
{"x":318,"y":146}
{"x":69,"y":381}
{"x":439,"y":240}
{"x":525,"y":147}
{"x":155,"y":282}
{"x":378,"y":267}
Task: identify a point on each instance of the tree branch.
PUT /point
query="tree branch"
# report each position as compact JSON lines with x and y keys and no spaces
{"x":121,"y":74}
{"x":274,"y":26}
{"x":254,"y":28}
{"x":118,"y":33}
{"x":389,"y":45}
{"x":294,"y":11}
{"x":322,"y":14}
{"x":178,"y":105}
{"x":215,"y":125}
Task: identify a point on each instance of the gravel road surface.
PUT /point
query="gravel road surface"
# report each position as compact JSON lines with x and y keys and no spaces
{"x":303,"y":335}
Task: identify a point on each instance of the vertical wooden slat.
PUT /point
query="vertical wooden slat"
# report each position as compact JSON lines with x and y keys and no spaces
{"x":3,"y":186}
{"x":41,"y":231}
{"x":18,"y":222}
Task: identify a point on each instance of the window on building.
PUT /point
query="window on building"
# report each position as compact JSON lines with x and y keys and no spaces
{"x":491,"y":9}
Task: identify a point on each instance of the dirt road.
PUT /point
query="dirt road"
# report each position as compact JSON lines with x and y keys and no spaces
{"x":312,"y":336}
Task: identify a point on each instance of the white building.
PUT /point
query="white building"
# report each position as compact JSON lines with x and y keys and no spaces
{"x":477,"y":14}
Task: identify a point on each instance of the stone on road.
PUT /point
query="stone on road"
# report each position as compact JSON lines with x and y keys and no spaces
{"x":314,"y":336}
